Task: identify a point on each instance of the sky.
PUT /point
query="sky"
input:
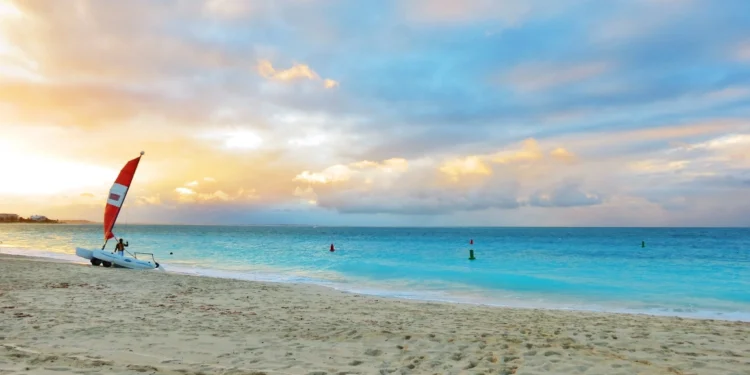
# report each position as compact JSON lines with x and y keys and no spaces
{"x":379,"y":112}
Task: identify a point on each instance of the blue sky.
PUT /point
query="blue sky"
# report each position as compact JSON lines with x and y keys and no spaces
{"x":409,"y":112}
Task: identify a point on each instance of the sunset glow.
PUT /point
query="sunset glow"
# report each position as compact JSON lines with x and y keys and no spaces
{"x":319,"y":112}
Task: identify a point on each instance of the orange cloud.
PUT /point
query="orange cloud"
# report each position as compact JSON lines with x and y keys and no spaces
{"x":562,"y":154}
{"x":329,"y":83}
{"x":343,"y":173}
{"x":83,"y":105}
{"x":465,"y":166}
{"x":190,"y":196}
{"x":530,"y":151}
{"x":463,"y":183}
{"x":417,"y":181}
{"x":296,"y":72}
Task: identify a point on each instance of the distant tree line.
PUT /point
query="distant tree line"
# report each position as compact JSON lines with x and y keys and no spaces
{"x":13,"y":218}
{"x":43,"y":220}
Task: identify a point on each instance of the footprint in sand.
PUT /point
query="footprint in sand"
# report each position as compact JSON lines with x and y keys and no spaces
{"x":143,"y":368}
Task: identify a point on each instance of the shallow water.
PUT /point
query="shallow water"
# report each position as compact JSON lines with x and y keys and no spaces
{"x":681,"y":271}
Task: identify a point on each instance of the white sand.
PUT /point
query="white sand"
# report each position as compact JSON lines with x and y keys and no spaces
{"x":58,"y":318}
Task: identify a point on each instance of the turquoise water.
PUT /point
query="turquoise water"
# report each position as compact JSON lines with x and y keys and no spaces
{"x":681,"y":271}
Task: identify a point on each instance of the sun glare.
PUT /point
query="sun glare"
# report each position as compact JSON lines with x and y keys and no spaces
{"x":243,"y":140}
{"x":30,"y":175}
{"x":8,"y":10}
{"x":315,"y":140}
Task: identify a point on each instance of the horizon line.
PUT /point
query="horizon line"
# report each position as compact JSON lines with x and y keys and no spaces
{"x":408,"y":226}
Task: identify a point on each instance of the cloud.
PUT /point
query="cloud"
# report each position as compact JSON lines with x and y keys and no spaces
{"x":743,"y":51}
{"x":186,"y":195}
{"x":529,"y":152}
{"x":509,"y":12}
{"x":229,"y":8}
{"x":420,"y":202}
{"x":362,"y":170}
{"x":85,"y":105}
{"x":562,"y":154}
{"x":465,"y":166}
{"x":641,"y":19}
{"x":457,"y":184}
{"x":329,"y":83}
{"x":568,"y":195}
{"x":296,"y":72}
{"x":480,"y":106}
{"x":184,"y":191}
{"x":243,"y":140}
{"x":693,"y":174}
{"x":331,"y":174}
{"x":658,"y":166}
{"x":149,"y":200}
{"x":307,"y":194}
{"x":536,"y":77}
{"x":315,"y":140}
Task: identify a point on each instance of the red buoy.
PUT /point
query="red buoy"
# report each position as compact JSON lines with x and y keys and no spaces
{"x":471,"y":242}
{"x":332,"y":249}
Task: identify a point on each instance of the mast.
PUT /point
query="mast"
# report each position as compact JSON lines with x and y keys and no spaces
{"x":117,"y":194}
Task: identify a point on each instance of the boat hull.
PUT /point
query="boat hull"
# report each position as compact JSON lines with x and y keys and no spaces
{"x":116,"y":260}
{"x":84,"y":253}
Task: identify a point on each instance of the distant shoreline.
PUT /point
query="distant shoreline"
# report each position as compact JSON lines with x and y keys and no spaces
{"x":49,"y":222}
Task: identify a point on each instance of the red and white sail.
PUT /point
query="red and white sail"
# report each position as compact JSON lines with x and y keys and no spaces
{"x":117,"y":195}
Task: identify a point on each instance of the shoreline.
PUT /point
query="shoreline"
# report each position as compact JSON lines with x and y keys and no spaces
{"x":403,"y":295}
{"x":54,"y":316}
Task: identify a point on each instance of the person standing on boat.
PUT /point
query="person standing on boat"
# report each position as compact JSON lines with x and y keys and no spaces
{"x":120,"y":247}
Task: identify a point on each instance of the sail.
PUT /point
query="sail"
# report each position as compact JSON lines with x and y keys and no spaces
{"x":117,"y":195}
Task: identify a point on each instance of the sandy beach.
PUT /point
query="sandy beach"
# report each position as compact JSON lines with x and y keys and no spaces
{"x":68,"y":318}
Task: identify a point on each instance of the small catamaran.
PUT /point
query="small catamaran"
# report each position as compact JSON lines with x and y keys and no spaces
{"x":116,"y":198}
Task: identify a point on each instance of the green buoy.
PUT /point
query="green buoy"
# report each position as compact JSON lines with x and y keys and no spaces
{"x":471,"y":255}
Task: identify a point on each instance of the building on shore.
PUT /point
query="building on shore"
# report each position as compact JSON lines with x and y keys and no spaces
{"x":8,"y":218}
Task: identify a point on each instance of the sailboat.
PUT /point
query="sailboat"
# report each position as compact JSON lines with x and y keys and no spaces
{"x":115,"y":200}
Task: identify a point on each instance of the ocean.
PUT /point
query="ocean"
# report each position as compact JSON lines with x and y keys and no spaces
{"x":688,"y":272}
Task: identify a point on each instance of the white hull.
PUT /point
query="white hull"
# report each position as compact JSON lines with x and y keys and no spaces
{"x":107,"y":259}
{"x":84,"y":253}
